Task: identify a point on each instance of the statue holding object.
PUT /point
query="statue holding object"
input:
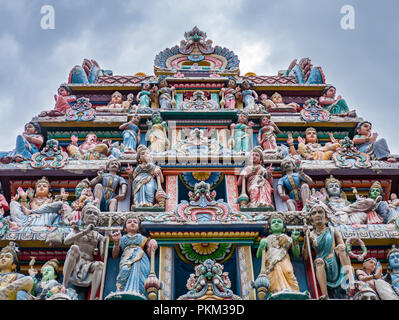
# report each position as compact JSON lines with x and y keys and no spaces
{"x":267,"y":134}
{"x":90,"y":149}
{"x":229,"y":94}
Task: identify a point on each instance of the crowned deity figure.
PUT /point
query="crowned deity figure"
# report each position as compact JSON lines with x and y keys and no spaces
{"x":241,"y":134}
{"x":229,"y":94}
{"x":278,"y":267}
{"x":131,"y":134}
{"x":166,"y":95}
{"x":157,"y":134}
{"x":267,"y":134}
{"x":116,"y":101}
{"x":81,"y":268}
{"x":310,"y":149}
{"x":392,"y":276}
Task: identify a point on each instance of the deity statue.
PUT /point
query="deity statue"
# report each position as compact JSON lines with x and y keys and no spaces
{"x":166,"y":95}
{"x":267,"y":134}
{"x":106,"y":185}
{"x":116,"y":101}
{"x":27,"y":144}
{"x":3,"y":203}
{"x":128,"y":103}
{"x":370,"y":277}
{"x":367,"y":142}
{"x":392,"y":276}
{"x":90,"y":149}
{"x":46,"y":286}
{"x":310,"y":149}
{"x":276,"y":103}
{"x":63,"y":102}
{"x":393,"y":215}
{"x":157,"y":134}
{"x":257,"y":181}
{"x":146,"y":181}
{"x":241,"y":134}
{"x":81,"y":268}
{"x":336,"y":106}
{"x":332,"y":262}
{"x":13,"y":285}
{"x":134,"y":266}
{"x":279,"y":269}
{"x":131,"y":134}
{"x":144,"y":96}
{"x":229,"y":94}
{"x":42,"y":209}
{"x":249,"y":98}
{"x":293,"y":186}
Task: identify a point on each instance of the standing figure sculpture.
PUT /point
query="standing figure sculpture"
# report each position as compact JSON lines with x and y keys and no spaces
{"x":293,"y":186}
{"x":241,"y":134}
{"x":249,"y":98}
{"x":27,"y":144}
{"x":13,"y":285}
{"x":157,"y":134}
{"x":80,"y":267}
{"x":278,"y":266}
{"x":106,"y":186}
{"x":146,"y":181}
{"x":332,"y":262}
{"x":367,"y":142}
{"x":267,"y":134}
{"x":336,"y":106}
{"x":134,"y":266}
{"x":144,"y":96}
{"x":229,"y":94}
{"x":257,"y":181}
{"x":131,"y":134}
{"x":166,"y":95}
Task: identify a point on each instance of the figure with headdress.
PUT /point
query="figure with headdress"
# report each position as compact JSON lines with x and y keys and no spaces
{"x":144,"y":96}
{"x":166,"y":94}
{"x":392,"y":276}
{"x":332,"y":262}
{"x":267,"y":134}
{"x":241,"y":134}
{"x":257,"y":181}
{"x":249,"y":98}
{"x":278,"y":266}
{"x":107,"y":184}
{"x":229,"y":94}
{"x":157,"y":134}
{"x":90,"y":149}
{"x":131,"y":134}
{"x":81,"y":268}
{"x":293,"y":186}
{"x":13,"y":285}
{"x":116,"y":101}
{"x":134,"y":266}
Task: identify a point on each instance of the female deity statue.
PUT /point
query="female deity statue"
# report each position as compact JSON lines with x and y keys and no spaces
{"x":278,"y":266}
{"x":144,"y":96}
{"x":229,"y":94}
{"x":336,"y":106}
{"x":366,"y":142}
{"x":134,"y":266}
{"x":157,"y":134}
{"x":131,"y":134}
{"x":248,"y":96}
{"x":267,"y":134}
{"x":146,"y":180}
{"x":257,"y":181}
{"x":90,"y":149}
{"x":332,"y":262}
{"x":27,"y":144}
{"x":241,"y":133}
{"x":165,"y":94}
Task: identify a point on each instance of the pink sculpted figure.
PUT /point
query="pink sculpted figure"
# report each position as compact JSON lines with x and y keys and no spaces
{"x":90,"y":149}
{"x":64,"y":99}
{"x":267,"y":133}
{"x":229,"y":94}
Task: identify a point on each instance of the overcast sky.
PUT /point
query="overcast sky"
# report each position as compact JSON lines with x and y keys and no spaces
{"x":125,"y":36}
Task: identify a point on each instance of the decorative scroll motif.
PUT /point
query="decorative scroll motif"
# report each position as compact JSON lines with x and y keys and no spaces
{"x":194,"y":253}
{"x":81,"y":111}
{"x":314,"y":112}
{"x":349,"y":151}
{"x":209,"y":283}
{"x":195,"y":39}
{"x":51,"y":152}
{"x":199,"y":102}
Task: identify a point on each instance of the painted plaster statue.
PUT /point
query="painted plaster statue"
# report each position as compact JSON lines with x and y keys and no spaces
{"x":276,"y":103}
{"x":166,"y":95}
{"x":367,"y":142}
{"x":229,"y":94}
{"x":144,"y":96}
{"x":131,"y":134}
{"x":13,"y":285}
{"x":310,"y":149}
{"x":146,"y":181}
{"x":279,"y":269}
{"x":80,"y":267}
{"x":63,"y":101}
{"x":336,"y":106}
{"x":134,"y":266}
{"x":241,"y":134}
{"x":293,"y":186}
{"x":41,"y":210}
{"x":370,"y":277}
{"x":27,"y":144}
{"x":393,"y":215}
{"x":107,"y":184}
{"x":4,"y":206}
{"x":116,"y":101}
{"x":267,"y":134}
{"x":90,"y":149}
{"x":392,"y":276}
{"x":249,"y":98}
{"x":257,"y":181}
{"x":332,"y":262}
{"x":157,"y":134}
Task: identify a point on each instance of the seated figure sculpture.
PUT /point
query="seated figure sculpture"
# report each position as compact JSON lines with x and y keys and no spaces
{"x":63,"y":102}
{"x":106,"y":185}
{"x":80,"y":267}
{"x":276,"y":103}
{"x":13,"y":285}
{"x":336,"y":106}
{"x":42,"y":209}
{"x":90,"y":149}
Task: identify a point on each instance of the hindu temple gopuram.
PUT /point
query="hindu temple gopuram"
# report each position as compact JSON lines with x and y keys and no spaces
{"x":199,"y":183}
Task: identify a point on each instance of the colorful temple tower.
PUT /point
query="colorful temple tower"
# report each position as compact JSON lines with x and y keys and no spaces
{"x":199,"y":183}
